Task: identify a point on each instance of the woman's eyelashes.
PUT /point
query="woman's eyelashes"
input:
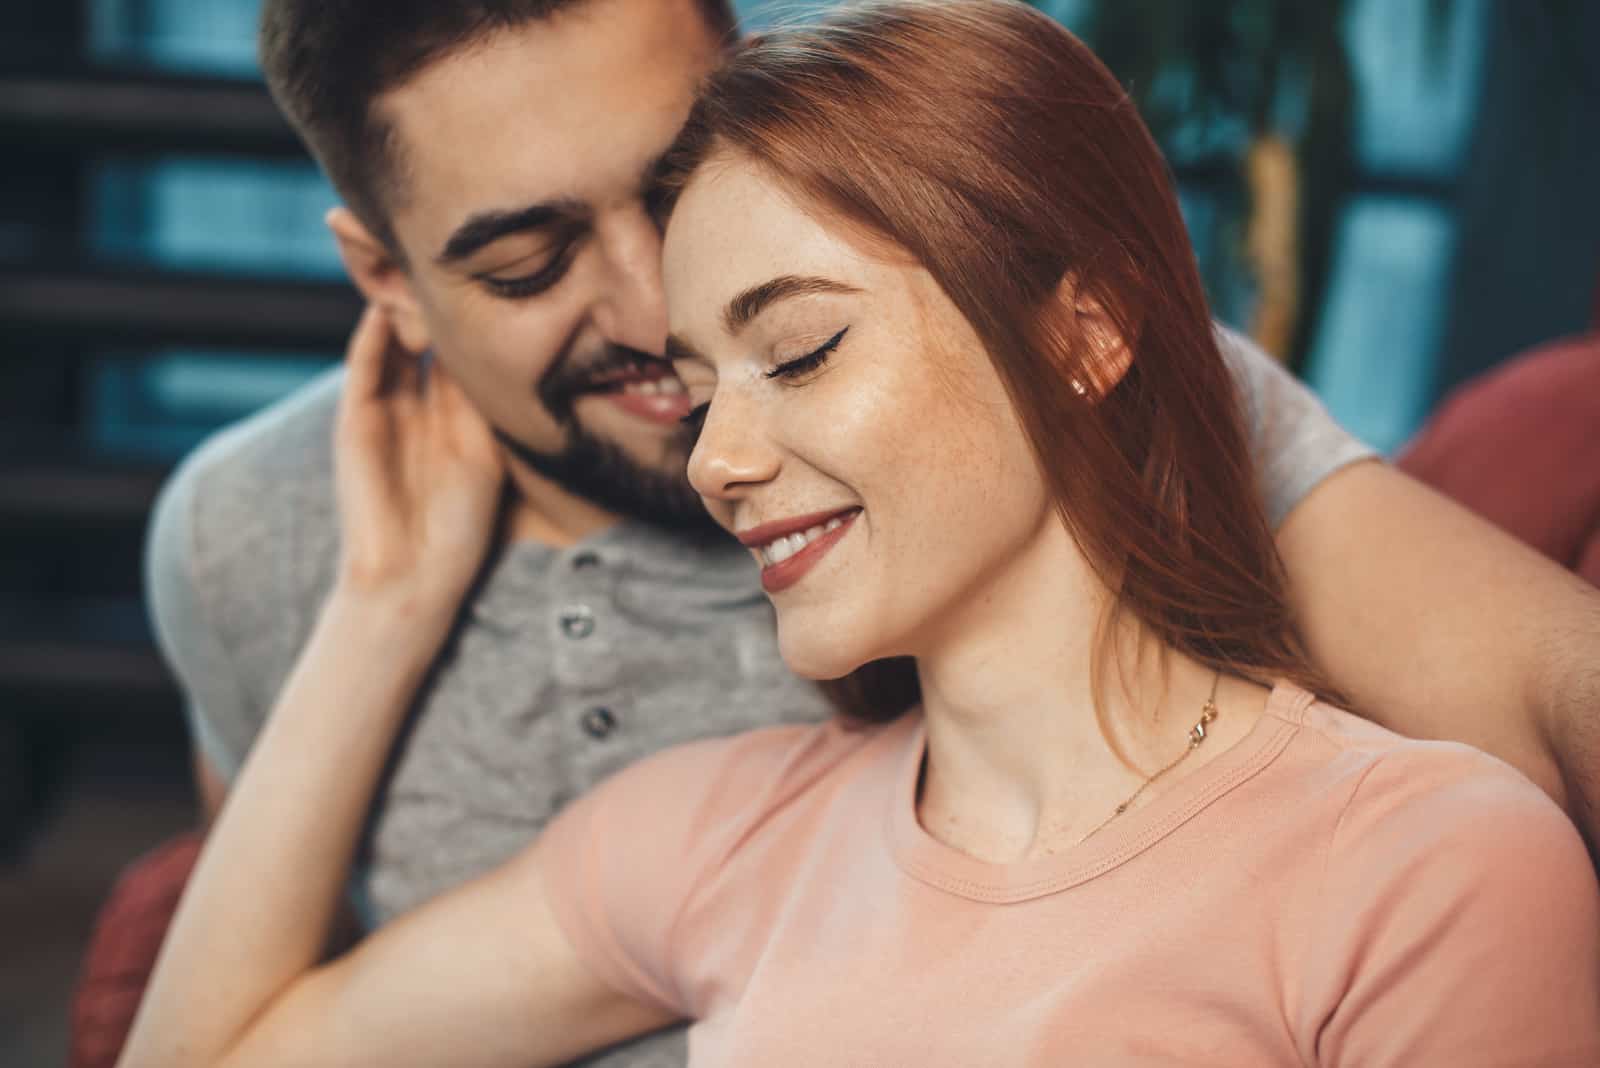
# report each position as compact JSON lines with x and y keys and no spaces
{"x":812,"y":360}
{"x":789,"y":369}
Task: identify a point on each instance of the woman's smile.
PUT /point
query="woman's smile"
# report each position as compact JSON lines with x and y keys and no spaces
{"x":789,"y":548}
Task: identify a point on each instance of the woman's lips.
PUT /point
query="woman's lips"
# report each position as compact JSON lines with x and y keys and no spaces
{"x":780,"y":576}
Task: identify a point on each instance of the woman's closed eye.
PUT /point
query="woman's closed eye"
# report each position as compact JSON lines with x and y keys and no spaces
{"x":802,"y":365}
{"x":789,"y":369}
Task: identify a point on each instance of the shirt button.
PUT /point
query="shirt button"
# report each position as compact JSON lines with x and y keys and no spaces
{"x":577,"y":621}
{"x":585,"y":560}
{"x":599,"y":722}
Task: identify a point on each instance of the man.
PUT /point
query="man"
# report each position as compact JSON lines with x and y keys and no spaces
{"x":495,"y":163}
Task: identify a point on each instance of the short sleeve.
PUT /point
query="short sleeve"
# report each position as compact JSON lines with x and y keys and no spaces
{"x":623,"y":865}
{"x":1294,"y":441}
{"x":1459,"y":924}
{"x":614,"y":895}
{"x":220,"y":718}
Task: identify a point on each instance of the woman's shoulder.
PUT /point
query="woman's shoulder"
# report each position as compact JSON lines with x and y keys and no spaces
{"x":622,"y":863}
{"x":1385,"y":806}
{"x":1438,"y":859}
{"x":717,"y":789}
{"x":1375,"y":769}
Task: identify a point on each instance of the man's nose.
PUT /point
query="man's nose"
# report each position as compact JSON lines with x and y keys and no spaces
{"x":632,"y":312}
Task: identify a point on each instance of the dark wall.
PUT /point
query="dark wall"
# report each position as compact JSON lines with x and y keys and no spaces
{"x":1529,"y":260}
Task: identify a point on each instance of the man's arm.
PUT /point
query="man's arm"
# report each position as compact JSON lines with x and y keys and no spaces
{"x":1434,"y":622}
{"x":218,"y":711}
{"x":1438,"y":625}
{"x":213,"y":698}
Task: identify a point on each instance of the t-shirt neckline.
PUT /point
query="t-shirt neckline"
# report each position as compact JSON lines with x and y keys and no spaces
{"x":931,"y":861}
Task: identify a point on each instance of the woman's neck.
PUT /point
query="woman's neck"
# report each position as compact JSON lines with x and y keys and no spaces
{"x":1021,"y":761}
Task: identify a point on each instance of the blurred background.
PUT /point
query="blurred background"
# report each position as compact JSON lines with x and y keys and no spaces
{"x":1391,"y":195}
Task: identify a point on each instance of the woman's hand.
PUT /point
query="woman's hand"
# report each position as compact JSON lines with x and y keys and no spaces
{"x":418,"y":475}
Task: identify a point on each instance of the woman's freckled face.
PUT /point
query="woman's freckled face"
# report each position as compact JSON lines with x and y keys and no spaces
{"x":905,"y":420}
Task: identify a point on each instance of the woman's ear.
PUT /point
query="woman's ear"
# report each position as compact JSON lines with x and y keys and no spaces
{"x":1106,"y":353}
{"x":381,"y":277}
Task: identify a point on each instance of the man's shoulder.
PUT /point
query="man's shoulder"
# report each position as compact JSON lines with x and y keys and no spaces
{"x":288,"y":444}
{"x":254,"y":499}
{"x":241,"y":541}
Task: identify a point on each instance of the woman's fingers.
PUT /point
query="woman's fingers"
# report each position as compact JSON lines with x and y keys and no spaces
{"x":365,"y":356}
{"x":419,"y":471}
{"x":378,"y":367}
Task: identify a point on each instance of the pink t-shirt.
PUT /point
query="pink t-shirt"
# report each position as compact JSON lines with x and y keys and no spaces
{"x":1323,"y":893}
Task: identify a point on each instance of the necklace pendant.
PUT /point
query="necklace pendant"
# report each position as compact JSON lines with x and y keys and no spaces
{"x":1197,"y":733}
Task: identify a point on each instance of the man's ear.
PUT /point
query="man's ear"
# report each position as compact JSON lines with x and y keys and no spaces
{"x":381,"y":277}
{"x":1107,"y":353}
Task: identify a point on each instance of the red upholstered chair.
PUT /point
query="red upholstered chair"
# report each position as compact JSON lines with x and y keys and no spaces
{"x":1520,"y":445}
{"x":122,"y":950}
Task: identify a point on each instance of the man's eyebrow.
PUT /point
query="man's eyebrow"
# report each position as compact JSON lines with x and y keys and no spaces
{"x":487,"y":227}
{"x":753,"y":301}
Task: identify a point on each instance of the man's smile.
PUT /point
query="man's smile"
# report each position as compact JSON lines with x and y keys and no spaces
{"x":646,"y":389}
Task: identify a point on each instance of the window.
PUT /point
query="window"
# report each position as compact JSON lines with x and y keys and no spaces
{"x":234,"y":215}
{"x":188,"y":213}
{"x":1373,"y":359}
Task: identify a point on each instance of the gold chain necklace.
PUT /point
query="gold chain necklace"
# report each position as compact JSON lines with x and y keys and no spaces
{"x":1197,"y":735}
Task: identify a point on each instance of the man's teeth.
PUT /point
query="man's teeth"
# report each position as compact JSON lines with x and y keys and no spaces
{"x":776,"y":552}
{"x":654,"y":387}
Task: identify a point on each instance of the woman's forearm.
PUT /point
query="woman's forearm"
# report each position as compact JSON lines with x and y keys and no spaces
{"x":258,"y":910}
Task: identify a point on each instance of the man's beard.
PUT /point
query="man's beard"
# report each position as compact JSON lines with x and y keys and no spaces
{"x":601,"y":470}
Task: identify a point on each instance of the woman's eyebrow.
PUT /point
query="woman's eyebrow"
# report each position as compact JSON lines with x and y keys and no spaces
{"x":753,"y":301}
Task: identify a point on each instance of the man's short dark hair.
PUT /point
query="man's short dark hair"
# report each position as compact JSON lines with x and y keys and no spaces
{"x":327,"y":60}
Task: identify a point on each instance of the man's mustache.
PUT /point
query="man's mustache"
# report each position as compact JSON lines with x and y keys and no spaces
{"x":575,"y":375}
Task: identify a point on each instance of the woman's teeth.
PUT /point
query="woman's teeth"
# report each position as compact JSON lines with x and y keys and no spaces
{"x":654,"y":387}
{"x":776,"y":552}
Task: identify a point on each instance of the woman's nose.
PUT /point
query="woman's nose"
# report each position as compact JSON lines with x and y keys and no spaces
{"x":733,"y":453}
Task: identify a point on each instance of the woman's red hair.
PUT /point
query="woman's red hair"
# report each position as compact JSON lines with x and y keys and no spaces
{"x":989,"y":143}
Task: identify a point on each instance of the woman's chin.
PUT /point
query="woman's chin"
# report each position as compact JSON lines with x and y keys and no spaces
{"x":810,"y":661}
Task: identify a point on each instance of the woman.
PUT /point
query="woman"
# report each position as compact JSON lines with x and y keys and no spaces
{"x":957,"y":391}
